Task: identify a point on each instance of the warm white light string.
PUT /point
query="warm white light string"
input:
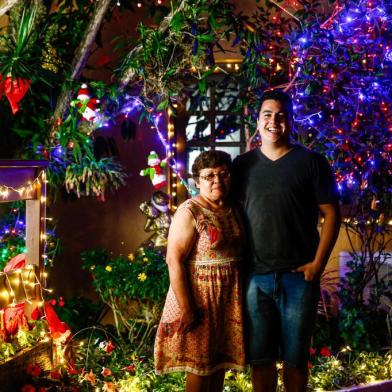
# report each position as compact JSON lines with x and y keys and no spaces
{"x":5,"y":189}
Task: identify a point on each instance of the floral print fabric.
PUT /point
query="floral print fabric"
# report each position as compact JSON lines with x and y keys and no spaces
{"x":213,"y":269}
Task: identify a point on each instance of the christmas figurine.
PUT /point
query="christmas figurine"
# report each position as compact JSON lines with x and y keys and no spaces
{"x":158,"y":221}
{"x":155,"y":170}
{"x":88,"y":107}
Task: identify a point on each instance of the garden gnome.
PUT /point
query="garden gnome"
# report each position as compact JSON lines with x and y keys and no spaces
{"x":155,"y":170}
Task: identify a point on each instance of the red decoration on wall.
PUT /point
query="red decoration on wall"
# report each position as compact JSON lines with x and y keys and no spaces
{"x":14,"y":90}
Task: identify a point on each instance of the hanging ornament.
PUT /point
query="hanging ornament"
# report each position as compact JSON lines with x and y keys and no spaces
{"x":90,"y":113}
{"x":14,"y":89}
{"x":87,"y":106}
{"x":155,"y":170}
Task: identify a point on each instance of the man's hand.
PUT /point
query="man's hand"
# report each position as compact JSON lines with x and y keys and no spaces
{"x":311,"y":271}
{"x":188,"y":321}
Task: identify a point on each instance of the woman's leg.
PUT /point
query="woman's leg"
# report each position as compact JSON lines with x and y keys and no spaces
{"x":213,"y":383}
{"x":195,"y":383}
{"x":216,"y":381}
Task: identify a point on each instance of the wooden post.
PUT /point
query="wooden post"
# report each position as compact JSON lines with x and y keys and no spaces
{"x":26,"y":180}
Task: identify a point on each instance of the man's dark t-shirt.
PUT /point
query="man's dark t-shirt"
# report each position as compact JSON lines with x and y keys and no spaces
{"x":281,"y":201}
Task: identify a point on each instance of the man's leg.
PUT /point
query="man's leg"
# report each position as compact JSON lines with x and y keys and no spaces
{"x":262,"y":331}
{"x":216,"y":381}
{"x":295,"y":380}
{"x":264,"y":378}
{"x":298,"y":308}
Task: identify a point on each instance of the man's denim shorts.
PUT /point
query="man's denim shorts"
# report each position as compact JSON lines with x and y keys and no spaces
{"x":281,"y":311}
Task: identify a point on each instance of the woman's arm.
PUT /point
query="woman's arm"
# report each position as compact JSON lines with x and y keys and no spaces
{"x":182,"y":235}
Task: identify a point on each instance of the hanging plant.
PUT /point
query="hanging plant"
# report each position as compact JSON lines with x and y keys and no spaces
{"x":179,"y":51}
{"x":89,"y":176}
{"x":20,"y":50}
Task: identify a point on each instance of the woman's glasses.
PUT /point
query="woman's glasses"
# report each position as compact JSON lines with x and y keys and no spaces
{"x":223,"y":175}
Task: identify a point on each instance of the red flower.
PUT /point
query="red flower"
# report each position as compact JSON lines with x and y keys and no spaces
{"x":72,"y":370}
{"x":33,"y":370}
{"x":325,"y":352}
{"x":109,"y":346}
{"x":53,"y":302}
{"x":109,"y":387}
{"x":90,"y":377}
{"x":213,"y":234}
{"x":310,"y":365}
{"x":55,"y":374}
{"x":312,"y":351}
{"x":28,"y":388}
{"x":130,"y":368}
{"x":61,"y":303}
{"x":106,"y":372}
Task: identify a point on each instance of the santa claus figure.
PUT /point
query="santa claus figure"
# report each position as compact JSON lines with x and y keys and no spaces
{"x":88,"y":106}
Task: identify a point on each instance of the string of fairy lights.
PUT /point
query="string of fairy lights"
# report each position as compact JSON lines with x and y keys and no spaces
{"x":23,"y":284}
{"x":24,"y":191}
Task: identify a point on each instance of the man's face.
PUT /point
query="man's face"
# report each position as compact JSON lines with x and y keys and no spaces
{"x":273,"y":124}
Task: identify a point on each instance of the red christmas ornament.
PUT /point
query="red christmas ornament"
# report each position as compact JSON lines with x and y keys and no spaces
{"x":14,"y":90}
{"x":14,"y":318}
{"x":60,"y":331}
{"x":19,"y":261}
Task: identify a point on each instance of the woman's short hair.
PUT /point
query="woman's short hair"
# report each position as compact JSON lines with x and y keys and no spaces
{"x":210,"y":159}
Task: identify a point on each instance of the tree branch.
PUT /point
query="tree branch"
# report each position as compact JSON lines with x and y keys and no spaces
{"x":6,"y":5}
{"x":130,"y":74}
{"x":82,"y":54}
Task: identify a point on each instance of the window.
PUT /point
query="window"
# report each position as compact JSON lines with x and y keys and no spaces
{"x":214,"y":121}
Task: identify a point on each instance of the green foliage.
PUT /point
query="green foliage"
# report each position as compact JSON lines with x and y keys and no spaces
{"x":134,"y":290}
{"x":79,"y":313}
{"x":134,"y":373}
{"x":20,"y":52}
{"x":349,"y":368}
{"x":164,"y":57}
{"x":144,"y":278}
{"x":23,"y":339}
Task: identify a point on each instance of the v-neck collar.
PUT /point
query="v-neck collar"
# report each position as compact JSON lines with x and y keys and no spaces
{"x":272,"y":161}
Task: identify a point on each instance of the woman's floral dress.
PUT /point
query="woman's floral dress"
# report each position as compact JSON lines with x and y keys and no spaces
{"x":214,"y":274}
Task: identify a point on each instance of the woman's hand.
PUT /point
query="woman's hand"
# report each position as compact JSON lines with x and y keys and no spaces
{"x":188,"y":321}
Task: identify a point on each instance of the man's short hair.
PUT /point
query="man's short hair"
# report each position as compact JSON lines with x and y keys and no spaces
{"x":281,"y":96}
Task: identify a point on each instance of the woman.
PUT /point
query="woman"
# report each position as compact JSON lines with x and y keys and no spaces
{"x":201,"y":330}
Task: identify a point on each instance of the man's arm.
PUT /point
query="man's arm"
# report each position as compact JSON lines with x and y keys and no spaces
{"x":328,"y":236}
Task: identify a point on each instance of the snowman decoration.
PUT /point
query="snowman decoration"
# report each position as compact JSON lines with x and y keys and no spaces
{"x":155,"y":170}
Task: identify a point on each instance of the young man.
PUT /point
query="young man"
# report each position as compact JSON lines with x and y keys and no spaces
{"x":284,"y":188}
